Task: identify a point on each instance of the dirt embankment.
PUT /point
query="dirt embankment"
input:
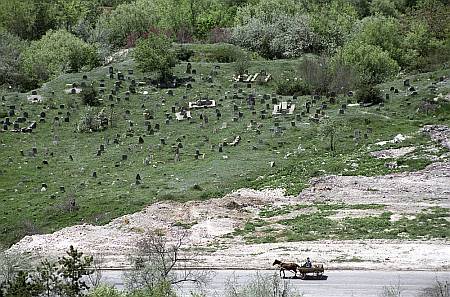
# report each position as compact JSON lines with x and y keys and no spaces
{"x":208,"y":223}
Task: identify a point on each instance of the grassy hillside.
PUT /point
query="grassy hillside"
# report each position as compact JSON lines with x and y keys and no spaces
{"x":294,"y":143}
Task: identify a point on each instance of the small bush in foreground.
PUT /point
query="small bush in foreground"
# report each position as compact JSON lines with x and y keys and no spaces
{"x":369,"y":95}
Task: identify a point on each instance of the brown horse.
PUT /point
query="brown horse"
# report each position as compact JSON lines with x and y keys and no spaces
{"x":290,"y":266}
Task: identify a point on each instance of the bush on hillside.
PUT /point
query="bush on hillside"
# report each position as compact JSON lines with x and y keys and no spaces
{"x":284,"y":37}
{"x":155,"y":54}
{"x":369,"y":95}
{"x":324,"y":75}
{"x":370,"y":63}
{"x":184,"y":54}
{"x":57,"y":52}
{"x":89,"y":96}
{"x":291,"y":87}
{"x":92,"y":121}
{"x":226,"y":53}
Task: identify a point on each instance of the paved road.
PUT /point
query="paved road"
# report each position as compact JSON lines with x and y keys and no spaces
{"x":338,"y":284}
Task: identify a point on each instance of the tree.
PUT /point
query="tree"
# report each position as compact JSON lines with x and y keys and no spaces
{"x":112,"y":29}
{"x":283,"y":37}
{"x":155,"y":54}
{"x":330,"y":129}
{"x":383,"y":7}
{"x":49,"y":279}
{"x":371,"y":64}
{"x":57,"y":52}
{"x":383,"y":32}
{"x":155,"y":261}
{"x":332,"y":22}
{"x":73,"y":268}
{"x":11,"y":48}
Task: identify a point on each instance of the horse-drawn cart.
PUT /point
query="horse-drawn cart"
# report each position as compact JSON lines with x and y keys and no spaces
{"x":302,"y":272}
{"x":316,"y":270}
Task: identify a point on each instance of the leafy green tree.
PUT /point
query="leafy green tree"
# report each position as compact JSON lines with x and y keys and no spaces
{"x":383,"y":7}
{"x":383,"y":32}
{"x":11,"y":48}
{"x":155,"y":54}
{"x":371,"y":64}
{"x":57,"y":52}
{"x":369,"y":95}
{"x":18,"y":17}
{"x":332,"y":22}
{"x":267,"y":11}
{"x":136,"y":18}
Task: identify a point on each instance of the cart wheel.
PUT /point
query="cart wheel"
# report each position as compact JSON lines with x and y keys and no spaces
{"x":302,"y":275}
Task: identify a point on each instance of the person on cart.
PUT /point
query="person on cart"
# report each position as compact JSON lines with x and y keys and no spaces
{"x":308,"y":263}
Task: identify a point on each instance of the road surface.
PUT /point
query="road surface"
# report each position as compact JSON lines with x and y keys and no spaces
{"x":339,"y":283}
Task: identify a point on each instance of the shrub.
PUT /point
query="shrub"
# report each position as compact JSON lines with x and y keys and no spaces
{"x":284,"y":37}
{"x":89,"y":96}
{"x":369,"y":95}
{"x":371,"y":64}
{"x":324,"y":75}
{"x":219,"y":35}
{"x":226,"y":53}
{"x":291,"y":87}
{"x":184,"y":53}
{"x":92,"y":121}
{"x":105,"y":291}
{"x":441,"y":288}
{"x":155,"y":54}
{"x":57,"y":52}
{"x":241,"y":64}
{"x":267,"y":10}
{"x":259,"y":286}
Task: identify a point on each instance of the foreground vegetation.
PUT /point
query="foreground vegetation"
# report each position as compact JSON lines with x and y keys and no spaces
{"x":76,"y":275}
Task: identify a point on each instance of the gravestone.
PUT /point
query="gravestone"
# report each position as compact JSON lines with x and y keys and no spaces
{"x":138,"y":179}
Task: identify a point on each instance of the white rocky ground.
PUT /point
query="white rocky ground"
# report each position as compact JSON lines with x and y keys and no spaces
{"x":209,"y":220}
